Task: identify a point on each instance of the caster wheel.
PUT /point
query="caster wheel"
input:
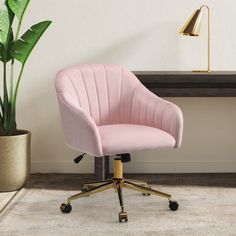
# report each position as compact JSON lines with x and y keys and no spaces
{"x":173,"y":205}
{"x":66,"y":208}
{"x":123,"y":217}
{"x":147,"y":194}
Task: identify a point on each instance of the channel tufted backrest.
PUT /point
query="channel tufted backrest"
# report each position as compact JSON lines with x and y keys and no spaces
{"x":105,"y":92}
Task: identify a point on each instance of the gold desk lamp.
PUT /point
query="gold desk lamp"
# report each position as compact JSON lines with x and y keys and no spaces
{"x":192,"y":28}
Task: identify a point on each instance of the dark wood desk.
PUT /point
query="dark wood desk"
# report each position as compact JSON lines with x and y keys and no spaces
{"x":189,"y":84}
{"x":180,"y":84}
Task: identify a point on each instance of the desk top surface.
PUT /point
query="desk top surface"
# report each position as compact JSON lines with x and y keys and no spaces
{"x":189,"y":84}
{"x":186,"y":77}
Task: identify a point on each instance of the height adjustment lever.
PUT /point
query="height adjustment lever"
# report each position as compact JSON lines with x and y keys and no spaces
{"x":79,"y":158}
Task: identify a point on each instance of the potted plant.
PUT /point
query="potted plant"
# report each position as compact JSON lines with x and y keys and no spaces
{"x":14,"y":143}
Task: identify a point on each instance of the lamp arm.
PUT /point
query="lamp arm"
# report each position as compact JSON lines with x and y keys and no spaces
{"x":209,"y":37}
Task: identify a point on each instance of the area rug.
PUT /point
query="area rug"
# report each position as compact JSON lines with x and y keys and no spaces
{"x":207,"y":211}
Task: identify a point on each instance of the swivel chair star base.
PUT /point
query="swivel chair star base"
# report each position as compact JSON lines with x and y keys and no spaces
{"x":118,"y":183}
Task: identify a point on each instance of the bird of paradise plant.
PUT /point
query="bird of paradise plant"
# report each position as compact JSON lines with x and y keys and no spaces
{"x":12,"y":48}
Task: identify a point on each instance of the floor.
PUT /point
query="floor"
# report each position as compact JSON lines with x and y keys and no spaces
{"x":207,"y":207}
{"x":5,"y":199}
{"x":63,"y":181}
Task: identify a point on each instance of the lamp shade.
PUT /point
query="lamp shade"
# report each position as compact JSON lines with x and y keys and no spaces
{"x":193,"y":25}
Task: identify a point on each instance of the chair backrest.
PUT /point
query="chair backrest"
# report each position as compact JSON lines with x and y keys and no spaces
{"x":105,"y":92}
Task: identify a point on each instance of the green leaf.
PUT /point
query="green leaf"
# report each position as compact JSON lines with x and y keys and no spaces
{"x":1,"y":52}
{"x":18,"y":7}
{"x":22,"y":48}
{"x":6,"y":18}
{"x":5,"y":54}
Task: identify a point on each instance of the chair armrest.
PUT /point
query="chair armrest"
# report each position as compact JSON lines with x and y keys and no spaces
{"x":157,"y":112}
{"x":81,"y":132}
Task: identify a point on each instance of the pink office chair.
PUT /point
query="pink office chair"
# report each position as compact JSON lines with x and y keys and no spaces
{"x":105,"y":111}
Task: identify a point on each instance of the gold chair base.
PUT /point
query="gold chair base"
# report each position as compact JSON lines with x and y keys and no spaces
{"x":118,"y":184}
{"x":96,"y":187}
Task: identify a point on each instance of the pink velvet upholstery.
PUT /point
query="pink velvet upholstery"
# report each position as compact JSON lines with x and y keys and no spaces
{"x":122,"y":138}
{"x":105,"y":110}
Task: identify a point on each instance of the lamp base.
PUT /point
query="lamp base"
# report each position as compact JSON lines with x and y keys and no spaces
{"x":201,"y":71}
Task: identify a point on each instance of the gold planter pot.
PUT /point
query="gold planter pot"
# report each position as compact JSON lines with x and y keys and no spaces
{"x":14,"y":160}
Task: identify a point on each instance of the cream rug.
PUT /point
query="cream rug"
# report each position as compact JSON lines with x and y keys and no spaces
{"x":207,"y":211}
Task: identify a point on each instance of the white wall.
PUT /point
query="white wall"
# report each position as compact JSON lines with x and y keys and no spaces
{"x":141,"y":35}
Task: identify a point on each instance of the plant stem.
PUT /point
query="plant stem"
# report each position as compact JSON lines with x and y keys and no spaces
{"x":18,"y":30}
{"x":1,"y":111}
{"x":4,"y":102}
{"x":17,"y":87}
{"x":5,"y":94}
{"x":1,"y":131}
{"x":1,"y":103}
{"x":5,"y":81}
{"x":12,"y":121}
{"x":11,"y":80}
{"x":12,"y":63}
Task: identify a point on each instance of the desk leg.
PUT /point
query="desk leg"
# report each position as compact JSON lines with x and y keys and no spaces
{"x":101,"y":167}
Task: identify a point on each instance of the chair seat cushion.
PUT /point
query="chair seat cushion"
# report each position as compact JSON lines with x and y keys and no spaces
{"x":125,"y":138}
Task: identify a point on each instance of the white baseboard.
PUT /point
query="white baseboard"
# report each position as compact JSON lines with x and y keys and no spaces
{"x":136,"y":167}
